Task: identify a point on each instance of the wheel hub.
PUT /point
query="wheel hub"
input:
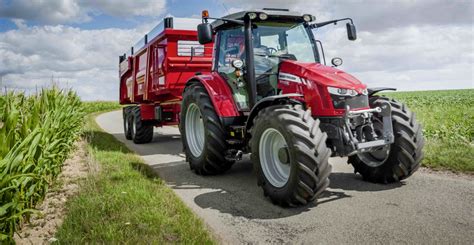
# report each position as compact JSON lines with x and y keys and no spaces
{"x":274,"y":157}
{"x":194,"y":130}
{"x":284,"y":155}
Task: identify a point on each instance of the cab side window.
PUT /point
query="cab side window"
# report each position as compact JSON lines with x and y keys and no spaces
{"x":231,"y":47}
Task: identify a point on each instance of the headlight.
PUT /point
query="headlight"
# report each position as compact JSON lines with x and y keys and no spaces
{"x":263,"y":16}
{"x":308,"y":18}
{"x":342,"y":91}
{"x":252,"y":16}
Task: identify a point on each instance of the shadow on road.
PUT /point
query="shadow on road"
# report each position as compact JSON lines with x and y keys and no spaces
{"x":236,"y":192}
{"x":354,"y":182}
{"x":96,"y":141}
{"x":169,"y":144}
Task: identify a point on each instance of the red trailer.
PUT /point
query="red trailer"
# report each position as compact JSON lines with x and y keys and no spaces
{"x":154,"y":71}
{"x":257,"y":82}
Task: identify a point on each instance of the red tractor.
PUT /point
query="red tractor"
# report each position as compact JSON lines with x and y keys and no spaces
{"x":256,"y":83}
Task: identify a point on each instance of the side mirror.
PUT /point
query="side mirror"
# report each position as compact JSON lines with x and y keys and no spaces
{"x":336,"y":61}
{"x":204,"y":33}
{"x":351,"y":31}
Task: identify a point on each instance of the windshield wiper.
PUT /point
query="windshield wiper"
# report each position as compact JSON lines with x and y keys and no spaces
{"x":267,"y":55}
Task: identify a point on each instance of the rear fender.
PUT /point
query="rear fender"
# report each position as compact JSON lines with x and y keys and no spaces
{"x":269,"y":101}
{"x":219,"y":92}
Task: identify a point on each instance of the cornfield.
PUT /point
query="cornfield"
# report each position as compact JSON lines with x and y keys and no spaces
{"x":36,"y":135}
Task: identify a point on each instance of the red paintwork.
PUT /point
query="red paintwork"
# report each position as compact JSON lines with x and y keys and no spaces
{"x":147,"y":111}
{"x":164,"y":74}
{"x":220,"y":94}
{"x":315,"y":80}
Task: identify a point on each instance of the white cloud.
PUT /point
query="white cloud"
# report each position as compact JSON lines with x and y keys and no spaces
{"x":77,"y":11}
{"x":128,"y":8}
{"x":372,"y":15}
{"x":412,"y":45}
{"x":408,"y":58}
{"x":81,"y":59}
{"x":44,"y":11}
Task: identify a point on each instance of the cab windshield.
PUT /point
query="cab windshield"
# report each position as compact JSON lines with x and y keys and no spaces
{"x":284,"y":40}
{"x":274,"y":42}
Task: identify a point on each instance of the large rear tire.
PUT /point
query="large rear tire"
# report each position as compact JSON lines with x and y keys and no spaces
{"x":141,"y":131}
{"x":202,"y":133}
{"x":290,"y":155}
{"x":127,"y":121}
{"x":400,"y":159}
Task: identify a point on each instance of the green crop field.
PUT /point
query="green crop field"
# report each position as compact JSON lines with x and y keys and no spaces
{"x":447,"y":117}
{"x":36,"y":135}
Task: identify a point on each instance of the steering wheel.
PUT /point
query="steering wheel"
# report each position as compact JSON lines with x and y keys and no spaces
{"x":272,"y":50}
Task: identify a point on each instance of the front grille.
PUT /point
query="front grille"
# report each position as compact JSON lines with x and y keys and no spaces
{"x":359,"y":101}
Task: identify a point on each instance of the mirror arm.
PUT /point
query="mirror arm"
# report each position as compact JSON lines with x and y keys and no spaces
{"x":322,"y":50}
{"x":239,"y":22}
{"x":321,"y":24}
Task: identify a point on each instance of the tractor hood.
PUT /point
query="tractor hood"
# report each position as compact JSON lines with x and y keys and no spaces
{"x":321,"y":74}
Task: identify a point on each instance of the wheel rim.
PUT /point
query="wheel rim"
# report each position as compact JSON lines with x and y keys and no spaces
{"x":194,"y":130}
{"x":378,"y":157}
{"x":271,"y":143}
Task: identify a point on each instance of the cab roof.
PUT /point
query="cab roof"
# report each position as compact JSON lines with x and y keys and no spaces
{"x":273,"y":14}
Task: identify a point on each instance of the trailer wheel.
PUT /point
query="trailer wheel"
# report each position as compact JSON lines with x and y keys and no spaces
{"x":290,"y":155}
{"x":141,"y":132}
{"x":202,"y":133}
{"x":398,"y":160}
{"x":127,"y":121}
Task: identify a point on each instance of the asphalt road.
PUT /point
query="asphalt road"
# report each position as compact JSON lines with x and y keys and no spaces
{"x":427,"y":208}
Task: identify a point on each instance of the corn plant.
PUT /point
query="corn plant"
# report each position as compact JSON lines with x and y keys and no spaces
{"x":36,"y":135}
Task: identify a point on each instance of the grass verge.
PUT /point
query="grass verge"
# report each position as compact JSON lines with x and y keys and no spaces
{"x":123,"y":203}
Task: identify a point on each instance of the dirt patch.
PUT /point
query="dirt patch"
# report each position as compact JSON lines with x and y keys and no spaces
{"x":42,"y":226}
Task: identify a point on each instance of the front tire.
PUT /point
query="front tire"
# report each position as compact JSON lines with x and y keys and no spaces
{"x":141,"y":131}
{"x":290,"y":155}
{"x":202,"y":133}
{"x":403,"y":157}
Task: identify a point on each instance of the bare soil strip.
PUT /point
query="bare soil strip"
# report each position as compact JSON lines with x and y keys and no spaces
{"x":43,"y":225}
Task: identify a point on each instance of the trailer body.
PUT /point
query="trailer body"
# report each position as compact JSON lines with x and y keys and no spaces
{"x":154,"y":71}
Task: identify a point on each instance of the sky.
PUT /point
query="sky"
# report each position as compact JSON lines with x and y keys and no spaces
{"x":407,"y":44}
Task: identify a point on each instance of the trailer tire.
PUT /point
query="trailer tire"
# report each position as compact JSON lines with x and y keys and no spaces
{"x":207,"y":157}
{"x":127,"y":122}
{"x":404,"y":155}
{"x":306,"y":154}
{"x":142,"y":132}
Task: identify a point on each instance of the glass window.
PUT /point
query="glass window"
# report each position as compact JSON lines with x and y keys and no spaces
{"x":231,"y":47}
{"x":299,"y":44}
{"x":274,"y":42}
